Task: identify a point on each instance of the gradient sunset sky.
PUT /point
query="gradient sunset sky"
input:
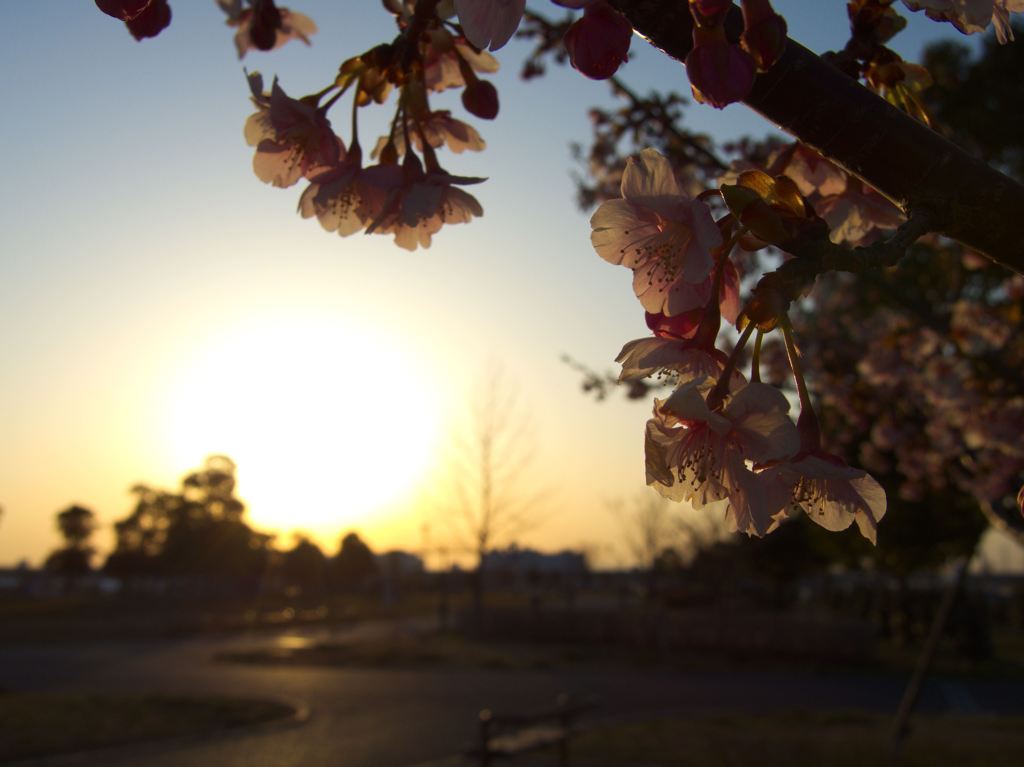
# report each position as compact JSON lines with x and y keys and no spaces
{"x":159,"y":304}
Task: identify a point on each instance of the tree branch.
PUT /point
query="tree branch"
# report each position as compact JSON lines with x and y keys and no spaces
{"x":916,"y":168}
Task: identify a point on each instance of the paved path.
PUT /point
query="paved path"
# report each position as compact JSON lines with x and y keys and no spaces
{"x":396,"y":718}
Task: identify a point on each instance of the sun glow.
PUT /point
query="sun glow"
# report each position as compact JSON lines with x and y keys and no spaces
{"x":329,"y":424}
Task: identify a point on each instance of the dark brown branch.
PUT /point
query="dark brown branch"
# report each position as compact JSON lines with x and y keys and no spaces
{"x":909,"y":163}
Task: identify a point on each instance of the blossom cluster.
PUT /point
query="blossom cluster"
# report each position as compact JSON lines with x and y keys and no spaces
{"x":720,"y":440}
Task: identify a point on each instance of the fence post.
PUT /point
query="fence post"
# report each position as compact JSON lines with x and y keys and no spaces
{"x":564,"y":721}
{"x":486,"y":717}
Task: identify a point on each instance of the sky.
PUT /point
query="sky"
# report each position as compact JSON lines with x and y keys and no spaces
{"x":159,"y":304}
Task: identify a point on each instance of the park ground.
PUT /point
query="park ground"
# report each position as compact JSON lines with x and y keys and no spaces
{"x":388,"y":689}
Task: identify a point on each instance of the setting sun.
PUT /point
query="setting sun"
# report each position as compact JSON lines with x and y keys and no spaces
{"x":327,"y":422}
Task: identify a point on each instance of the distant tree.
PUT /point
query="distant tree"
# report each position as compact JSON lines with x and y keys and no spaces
{"x":197,"y":531}
{"x":354,"y":564}
{"x":648,"y":526}
{"x":491,"y":498}
{"x":304,"y":566}
{"x":76,"y":525}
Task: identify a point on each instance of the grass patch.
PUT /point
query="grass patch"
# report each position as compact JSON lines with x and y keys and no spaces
{"x":44,"y":724}
{"x":795,"y":739}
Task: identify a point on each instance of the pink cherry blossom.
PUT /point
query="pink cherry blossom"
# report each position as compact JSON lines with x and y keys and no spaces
{"x":660,"y":233}
{"x":644,"y":357}
{"x":856,"y":213}
{"x":490,"y":23}
{"x":424,"y":203}
{"x":264,"y":26}
{"x":293,"y":137}
{"x":440,"y":129}
{"x":972,"y":16}
{"x":828,"y":491}
{"x":699,"y":456}
{"x":348,"y":197}
{"x":442,"y":54}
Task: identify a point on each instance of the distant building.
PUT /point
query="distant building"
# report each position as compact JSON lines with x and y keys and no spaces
{"x":27,"y":582}
{"x":518,"y":560}
{"x":400,"y":564}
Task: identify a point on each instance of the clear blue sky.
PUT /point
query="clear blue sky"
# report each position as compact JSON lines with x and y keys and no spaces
{"x":136,"y":247}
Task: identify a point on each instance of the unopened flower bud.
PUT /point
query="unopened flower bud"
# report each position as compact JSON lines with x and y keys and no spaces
{"x":480,"y":98}
{"x":152,"y":21}
{"x":764,"y":33}
{"x":599,"y":41}
{"x":720,"y":73}
{"x":683,"y":325}
{"x":123,"y":10}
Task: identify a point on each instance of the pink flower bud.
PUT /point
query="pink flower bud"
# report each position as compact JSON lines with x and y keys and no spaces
{"x":599,"y":41}
{"x":152,"y":21}
{"x":683,"y":325}
{"x":124,"y":10}
{"x":720,"y":73}
{"x":480,"y":98}
{"x":764,"y":33}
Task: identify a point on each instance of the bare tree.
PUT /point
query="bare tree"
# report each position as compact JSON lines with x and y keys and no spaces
{"x":493,"y":495}
{"x":652,"y":527}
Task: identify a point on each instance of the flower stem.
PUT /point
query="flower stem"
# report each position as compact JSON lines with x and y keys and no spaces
{"x":755,"y":360}
{"x":794,"y":363}
{"x":807,"y":423}
{"x":717,"y":395}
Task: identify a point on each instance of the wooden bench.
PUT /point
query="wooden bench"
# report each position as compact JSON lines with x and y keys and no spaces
{"x":508,"y":735}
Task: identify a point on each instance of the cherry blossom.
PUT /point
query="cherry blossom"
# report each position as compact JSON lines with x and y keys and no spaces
{"x":439,"y":129}
{"x":660,"y":233}
{"x":683,"y":346}
{"x":348,"y":197}
{"x":856,"y":213}
{"x":425,"y":201}
{"x":859,"y":214}
{"x":490,"y":23}
{"x":696,"y":455}
{"x":828,"y":491}
{"x":264,"y":26}
{"x":972,"y":16}
{"x":293,"y":137}
{"x":451,"y":62}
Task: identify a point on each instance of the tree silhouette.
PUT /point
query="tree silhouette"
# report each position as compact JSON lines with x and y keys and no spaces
{"x":491,"y":496}
{"x":304,"y":566}
{"x":196,"y":531}
{"x":354,"y":564}
{"x":76,"y":525}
